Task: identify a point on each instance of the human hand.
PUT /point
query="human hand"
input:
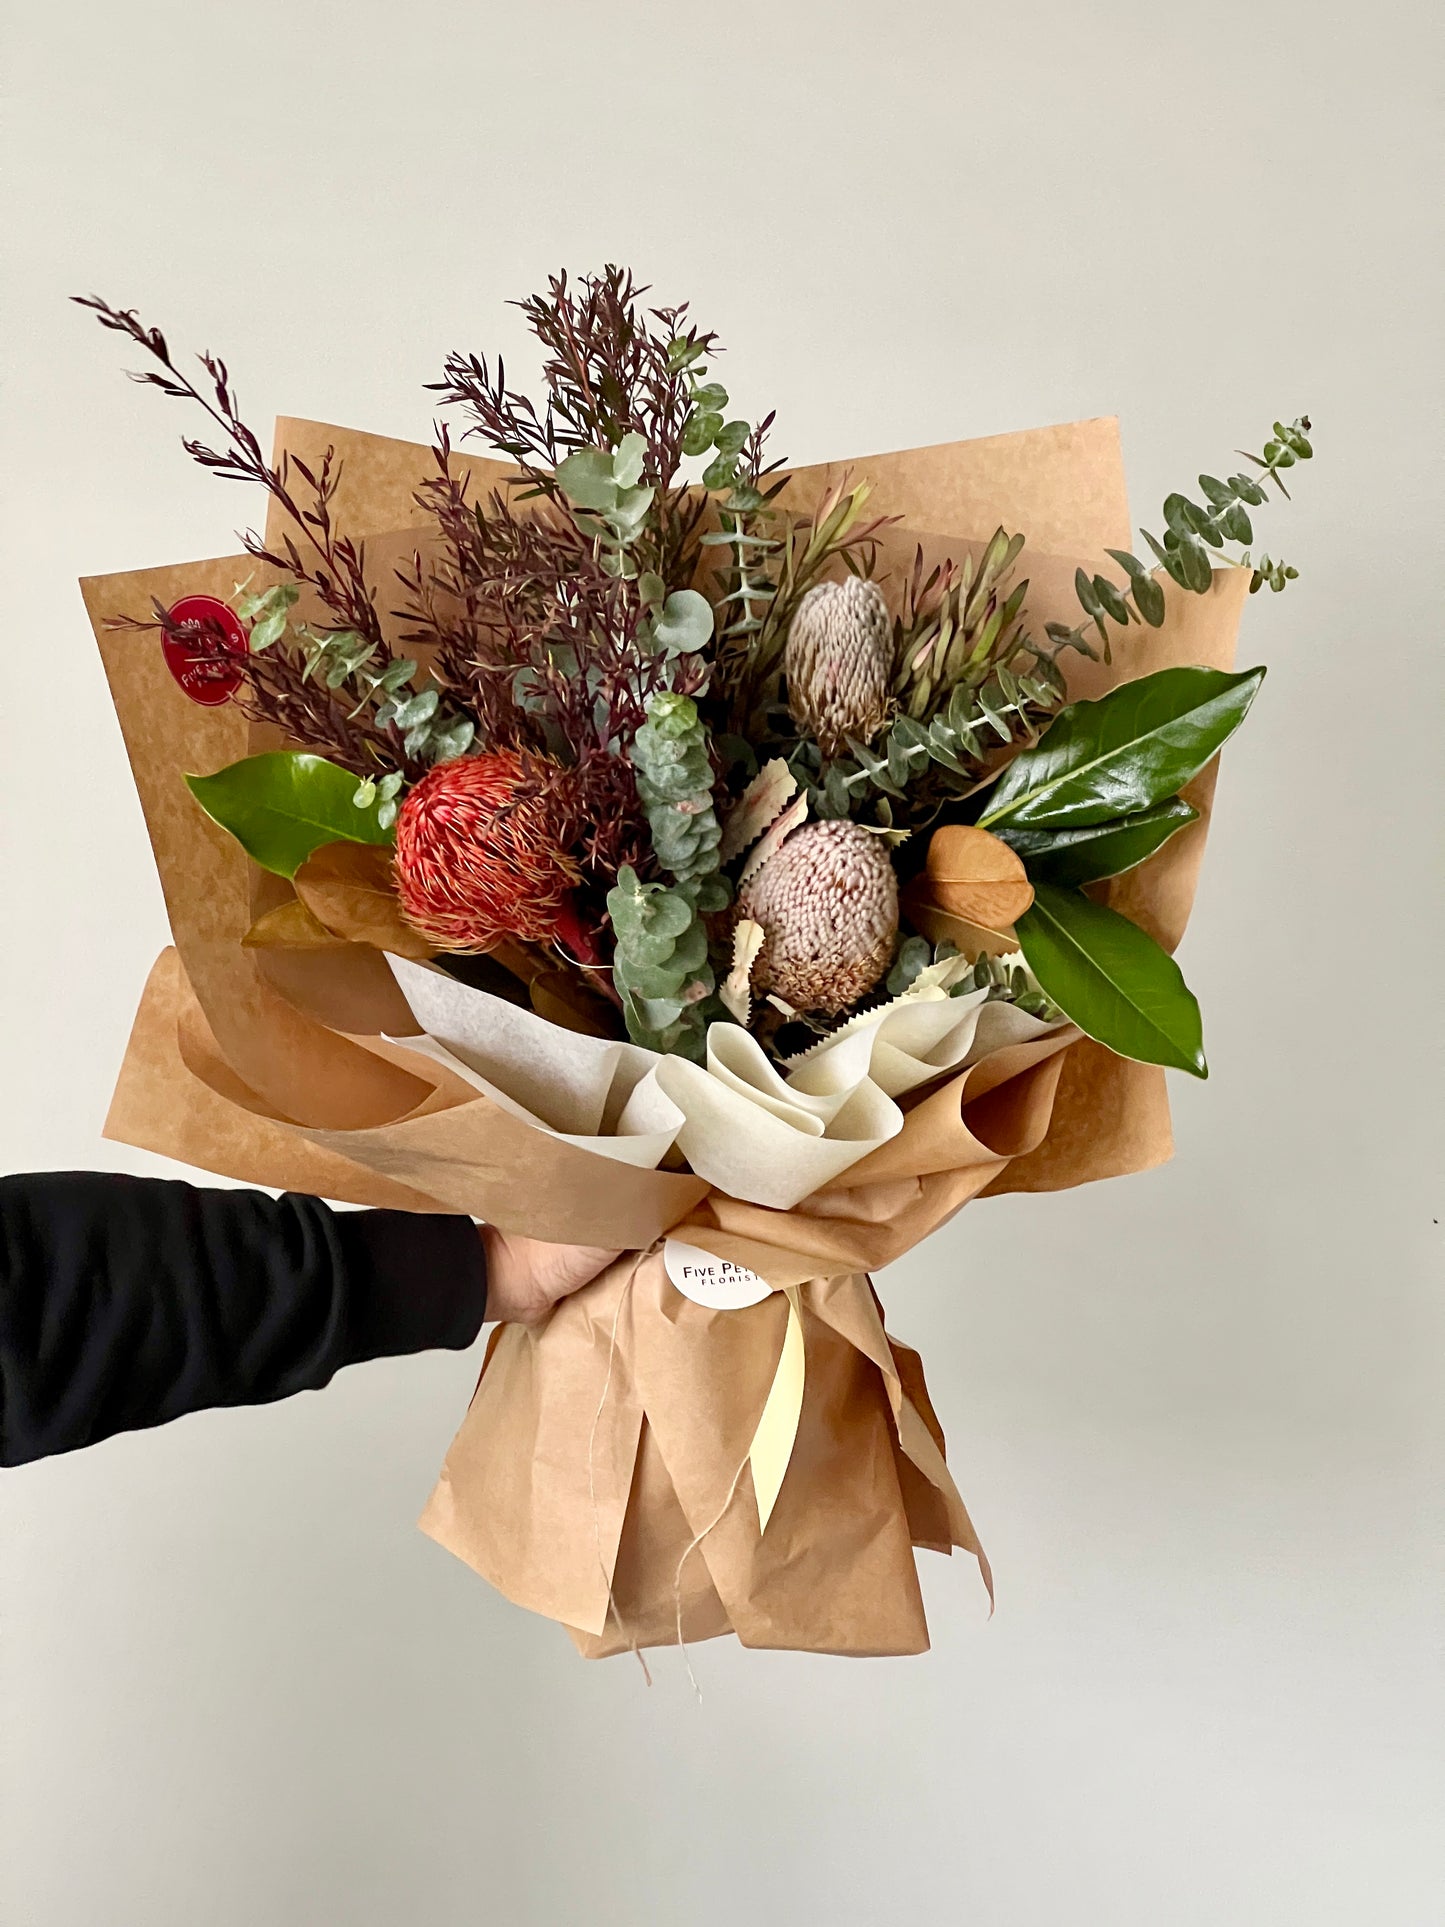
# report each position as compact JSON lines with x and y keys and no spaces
{"x":526,"y":1277}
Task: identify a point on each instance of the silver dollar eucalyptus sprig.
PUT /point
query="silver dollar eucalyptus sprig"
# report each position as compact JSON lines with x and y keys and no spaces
{"x":661,"y":967}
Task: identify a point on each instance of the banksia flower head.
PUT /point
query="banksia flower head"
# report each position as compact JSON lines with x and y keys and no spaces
{"x":839,"y":662}
{"x":481,"y":852}
{"x":828,"y":906}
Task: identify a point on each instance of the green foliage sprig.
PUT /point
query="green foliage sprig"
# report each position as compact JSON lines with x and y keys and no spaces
{"x":660,"y":966}
{"x":705,"y":431}
{"x":1195,"y":535}
{"x":958,"y":626}
{"x":675,"y":781}
{"x":374,"y":682}
{"x":1008,"y":982}
{"x":612,"y":501}
{"x":958,"y":746}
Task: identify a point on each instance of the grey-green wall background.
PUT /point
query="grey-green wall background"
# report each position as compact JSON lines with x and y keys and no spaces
{"x":1195,"y":1413}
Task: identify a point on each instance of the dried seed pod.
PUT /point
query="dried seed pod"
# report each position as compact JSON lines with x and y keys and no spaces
{"x":828,"y":905}
{"x":839,"y":662}
{"x":974,"y":875}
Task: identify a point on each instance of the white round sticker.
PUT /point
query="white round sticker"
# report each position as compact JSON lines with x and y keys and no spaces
{"x":714,"y":1282}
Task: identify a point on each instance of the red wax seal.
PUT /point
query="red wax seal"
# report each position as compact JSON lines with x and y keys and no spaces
{"x":201,"y":635}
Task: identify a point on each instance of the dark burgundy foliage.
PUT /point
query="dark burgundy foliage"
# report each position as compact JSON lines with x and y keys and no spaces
{"x":509,"y":605}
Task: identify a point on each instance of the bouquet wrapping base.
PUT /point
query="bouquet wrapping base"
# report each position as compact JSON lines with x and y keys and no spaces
{"x":601,"y":1446}
{"x":601,"y":1476}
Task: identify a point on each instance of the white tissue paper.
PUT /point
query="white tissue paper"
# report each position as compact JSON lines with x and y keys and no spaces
{"x":758,"y":1133}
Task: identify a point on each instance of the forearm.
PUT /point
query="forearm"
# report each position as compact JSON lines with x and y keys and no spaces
{"x":125,"y":1302}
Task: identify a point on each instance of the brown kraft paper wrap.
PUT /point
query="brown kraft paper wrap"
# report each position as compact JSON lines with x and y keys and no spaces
{"x":599,"y":1447}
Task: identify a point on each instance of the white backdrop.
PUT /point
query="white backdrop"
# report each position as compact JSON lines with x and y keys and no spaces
{"x":1194,"y":1412}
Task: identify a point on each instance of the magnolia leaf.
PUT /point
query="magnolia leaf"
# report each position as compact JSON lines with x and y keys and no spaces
{"x":284,"y":804}
{"x":1098,"y":850}
{"x":290,"y":926}
{"x":349,"y":889}
{"x":756,"y":808}
{"x":1112,"y":980}
{"x":1127,"y":751}
{"x":792,"y":817}
{"x":976,"y":876}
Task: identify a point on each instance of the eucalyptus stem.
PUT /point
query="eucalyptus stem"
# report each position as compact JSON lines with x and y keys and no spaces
{"x":1193,"y":536}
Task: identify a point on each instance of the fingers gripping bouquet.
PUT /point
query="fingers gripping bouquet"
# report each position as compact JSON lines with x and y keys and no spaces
{"x":634,"y":842}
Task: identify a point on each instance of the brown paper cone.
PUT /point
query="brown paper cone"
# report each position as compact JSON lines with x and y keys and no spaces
{"x":600,"y":1476}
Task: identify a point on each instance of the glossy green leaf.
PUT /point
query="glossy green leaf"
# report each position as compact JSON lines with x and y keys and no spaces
{"x":1072,"y":857}
{"x":1111,"y":979}
{"x":1127,"y":751}
{"x":283,"y":805}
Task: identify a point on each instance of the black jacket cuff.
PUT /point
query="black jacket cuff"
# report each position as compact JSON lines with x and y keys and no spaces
{"x":419,"y":1282}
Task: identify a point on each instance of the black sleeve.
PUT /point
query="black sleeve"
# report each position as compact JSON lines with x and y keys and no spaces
{"x":128,"y":1301}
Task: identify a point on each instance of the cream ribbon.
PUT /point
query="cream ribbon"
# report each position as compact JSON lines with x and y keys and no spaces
{"x":773,"y":1441}
{"x":718,"y":1285}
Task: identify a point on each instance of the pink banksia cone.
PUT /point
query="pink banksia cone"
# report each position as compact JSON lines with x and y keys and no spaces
{"x":481,"y":852}
{"x":827,"y":903}
{"x":839,"y":663}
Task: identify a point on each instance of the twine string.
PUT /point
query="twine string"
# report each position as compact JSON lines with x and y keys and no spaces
{"x":716,"y":1520}
{"x":610,"y":1610}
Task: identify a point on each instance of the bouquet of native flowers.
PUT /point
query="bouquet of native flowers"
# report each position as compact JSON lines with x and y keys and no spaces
{"x":632,"y":841}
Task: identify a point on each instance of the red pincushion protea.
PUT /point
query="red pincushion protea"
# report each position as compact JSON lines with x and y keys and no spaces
{"x":481,"y":852}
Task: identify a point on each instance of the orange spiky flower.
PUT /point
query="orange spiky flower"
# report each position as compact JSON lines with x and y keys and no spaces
{"x":482,"y":852}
